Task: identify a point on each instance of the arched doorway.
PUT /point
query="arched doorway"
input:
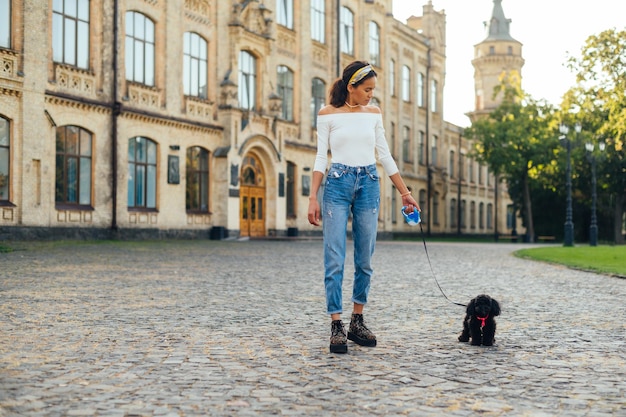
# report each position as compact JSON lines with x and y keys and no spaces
{"x":252,"y":198}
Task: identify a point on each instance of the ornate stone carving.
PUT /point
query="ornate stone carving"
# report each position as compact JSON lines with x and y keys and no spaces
{"x":198,"y":10}
{"x":142,"y":96}
{"x":75,"y":81}
{"x":253,"y":16}
{"x":199,"y":109}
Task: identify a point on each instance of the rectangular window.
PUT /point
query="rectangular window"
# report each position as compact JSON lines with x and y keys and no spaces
{"x":142,"y":157}
{"x":284,"y":13}
{"x":318,"y":92}
{"x":139,"y":47}
{"x":374,"y":44}
{"x":195,"y":65}
{"x":291,"y":190}
{"x":73,"y":166}
{"x":406,"y":83}
{"x":285,"y":91}
{"x":318,"y":21}
{"x":420,"y":89}
{"x":347,"y":31}
{"x":422,"y":146}
{"x":392,"y":77}
{"x":70,"y":32}
{"x":5,"y":23}
{"x":5,"y":171}
{"x":406,"y":144}
{"x":433,"y":96}
{"x":433,"y":159}
{"x":247,"y":81}
{"x":197,"y":186}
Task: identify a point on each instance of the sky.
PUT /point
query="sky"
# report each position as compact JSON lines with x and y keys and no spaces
{"x":550,"y":31}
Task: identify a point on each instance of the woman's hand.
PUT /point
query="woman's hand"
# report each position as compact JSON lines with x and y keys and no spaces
{"x":409,"y":202}
{"x":315,"y":215}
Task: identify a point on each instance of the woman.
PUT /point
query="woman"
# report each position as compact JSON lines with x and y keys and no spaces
{"x":353,"y":132}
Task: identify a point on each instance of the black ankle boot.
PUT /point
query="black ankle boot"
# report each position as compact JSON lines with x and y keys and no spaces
{"x":359,"y":333}
{"x":338,"y":341}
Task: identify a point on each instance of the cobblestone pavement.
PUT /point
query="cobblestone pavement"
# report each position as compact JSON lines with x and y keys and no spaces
{"x":238,"y":328}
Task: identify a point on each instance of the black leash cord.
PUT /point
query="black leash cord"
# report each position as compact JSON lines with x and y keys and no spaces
{"x":433,"y":272}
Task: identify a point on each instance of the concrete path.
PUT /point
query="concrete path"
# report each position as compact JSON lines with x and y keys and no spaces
{"x":238,"y":328}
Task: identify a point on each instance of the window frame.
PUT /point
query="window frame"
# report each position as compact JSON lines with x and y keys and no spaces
{"x":144,"y":74}
{"x":149,"y":201}
{"x":6,"y":27}
{"x":406,"y":84}
{"x":197,"y":184}
{"x":374,"y":43}
{"x":71,"y":30}
{"x":284,"y":13}
{"x":195,"y":65}
{"x":285,"y":86}
{"x":5,"y":159}
{"x":291,"y":207}
{"x":247,"y":78}
{"x":318,"y":21}
{"x":346,"y":31}
{"x":317,"y":100}
{"x":82,"y":161}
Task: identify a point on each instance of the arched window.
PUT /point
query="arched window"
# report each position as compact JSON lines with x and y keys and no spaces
{"x":142,"y":169}
{"x":247,"y":81}
{"x":70,"y":32}
{"x":197,"y":185}
{"x":73,"y":166}
{"x":195,"y":65}
{"x":139,"y":48}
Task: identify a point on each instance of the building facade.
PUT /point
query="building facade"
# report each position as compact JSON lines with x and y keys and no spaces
{"x":197,"y":118}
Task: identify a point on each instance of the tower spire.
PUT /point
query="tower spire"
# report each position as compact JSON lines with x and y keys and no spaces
{"x":498,"y":26}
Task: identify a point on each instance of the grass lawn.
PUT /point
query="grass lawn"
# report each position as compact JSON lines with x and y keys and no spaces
{"x":602,"y":259}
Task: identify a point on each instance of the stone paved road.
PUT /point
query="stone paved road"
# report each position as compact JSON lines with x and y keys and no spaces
{"x":237,"y":328}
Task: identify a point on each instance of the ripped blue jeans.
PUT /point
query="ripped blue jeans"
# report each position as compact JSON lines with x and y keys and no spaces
{"x":348,"y":190}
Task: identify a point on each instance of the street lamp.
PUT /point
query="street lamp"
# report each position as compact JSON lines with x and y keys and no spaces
{"x":568,"y":238}
{"x":593,"y":229}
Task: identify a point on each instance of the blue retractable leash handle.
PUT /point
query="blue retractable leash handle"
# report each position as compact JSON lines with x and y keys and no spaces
{"x":413,"y":219}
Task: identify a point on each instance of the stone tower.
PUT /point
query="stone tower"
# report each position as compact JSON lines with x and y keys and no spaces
{"x":497,"y":56}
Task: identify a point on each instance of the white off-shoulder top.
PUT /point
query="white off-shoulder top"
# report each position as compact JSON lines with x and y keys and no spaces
{"x":353,"y":139}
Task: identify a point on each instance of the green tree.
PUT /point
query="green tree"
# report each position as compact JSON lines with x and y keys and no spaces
{"x":599,"y":102}
{"x":516,"y":142}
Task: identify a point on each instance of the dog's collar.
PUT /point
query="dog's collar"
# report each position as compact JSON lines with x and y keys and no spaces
{"x":482,"y":320}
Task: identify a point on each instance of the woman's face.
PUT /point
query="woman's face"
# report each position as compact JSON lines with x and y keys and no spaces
{"x":363,"y":93}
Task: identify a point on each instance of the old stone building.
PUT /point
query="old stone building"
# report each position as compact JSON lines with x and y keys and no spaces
{"x":136,"y":118}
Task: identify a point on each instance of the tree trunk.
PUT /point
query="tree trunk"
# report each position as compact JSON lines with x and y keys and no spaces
{"x":618,"y":215}
{"x":528,"y":206}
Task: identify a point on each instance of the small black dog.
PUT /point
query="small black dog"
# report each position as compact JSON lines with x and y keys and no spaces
{"x":479,"y":323}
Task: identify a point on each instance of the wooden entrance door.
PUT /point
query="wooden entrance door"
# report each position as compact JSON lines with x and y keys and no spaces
{"x":252,"y":198}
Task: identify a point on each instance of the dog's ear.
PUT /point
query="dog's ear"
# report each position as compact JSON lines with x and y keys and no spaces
{"x":471,"y":306}
{"x":495,"y":308}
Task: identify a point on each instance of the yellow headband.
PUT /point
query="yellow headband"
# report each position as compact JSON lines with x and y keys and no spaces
{"x":360,"y":74}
